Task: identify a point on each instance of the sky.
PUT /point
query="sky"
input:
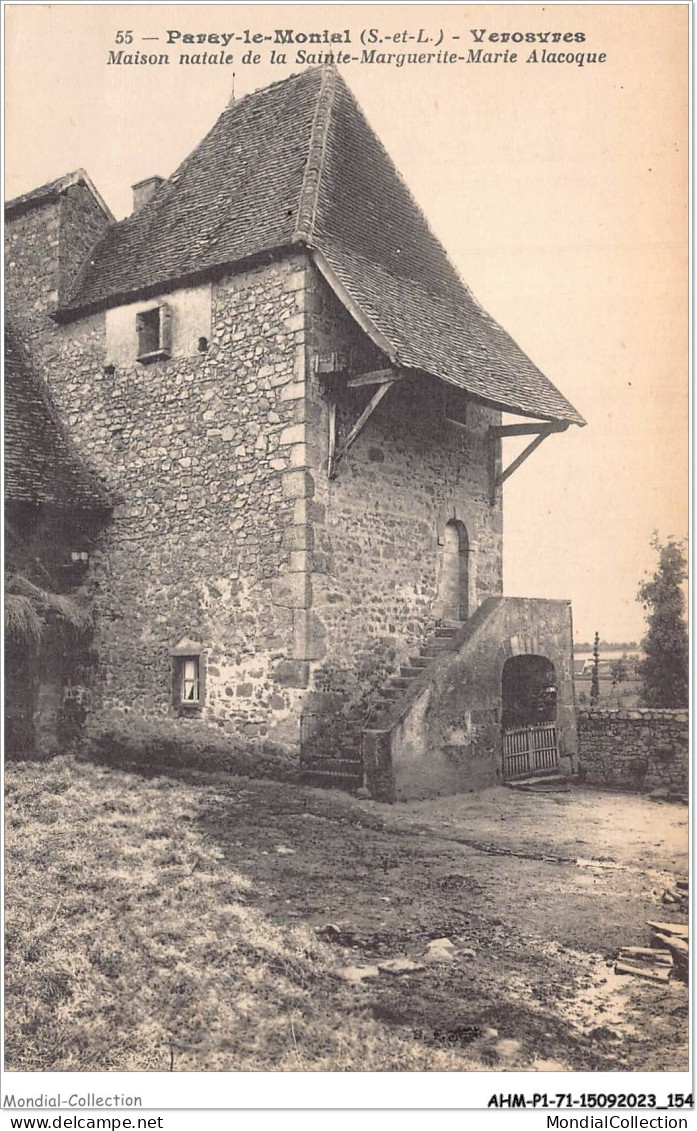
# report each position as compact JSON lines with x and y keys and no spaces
{"x":558,"y":190}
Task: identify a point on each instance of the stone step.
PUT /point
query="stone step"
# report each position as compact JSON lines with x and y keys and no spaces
{"x":332,"y":765}
{"x":442,"y":642}
{"x":381,"y":710}
{"x":537,"y":776}
{"x":330,"y":780}
{"x":435,"y":648}
{"x":435,"y":645}
{"x":552,"y":783}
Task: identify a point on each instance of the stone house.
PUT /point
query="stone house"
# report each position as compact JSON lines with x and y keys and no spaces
{"x":274,"y":366}
{"x":54,"y":508}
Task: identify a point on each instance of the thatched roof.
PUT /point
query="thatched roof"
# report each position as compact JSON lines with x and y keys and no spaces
{"x":31,"y":612}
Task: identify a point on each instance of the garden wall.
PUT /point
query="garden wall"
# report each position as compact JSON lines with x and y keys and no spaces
{"x":643,"y":749}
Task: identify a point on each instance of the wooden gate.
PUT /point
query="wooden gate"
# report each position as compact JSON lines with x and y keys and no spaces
{"x":529,"y":750}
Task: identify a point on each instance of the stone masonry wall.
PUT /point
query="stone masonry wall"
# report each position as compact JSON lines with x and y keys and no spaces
{"x":32,"y":271}
{"x":642,"y":749}
{"x":82,"y":223}
{"x":379,"y":522}
{"x":304,"y":593}
{"x":45,"y":248}
{"x":446,"y":737}
{"x":207,"y":455}
{"x":200,"y":449}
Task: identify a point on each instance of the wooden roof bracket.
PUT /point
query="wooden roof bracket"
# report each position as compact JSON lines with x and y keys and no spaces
{"x":384,"y":379}
{"x":540,"y":431}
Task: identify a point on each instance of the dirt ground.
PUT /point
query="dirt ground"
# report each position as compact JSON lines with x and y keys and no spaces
{"x":207,"y":922}
{"x":537,"y":892}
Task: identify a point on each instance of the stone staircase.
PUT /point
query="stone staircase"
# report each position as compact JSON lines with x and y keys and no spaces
{"x":335,"y":761}
{"x":446,"y":637}
{"x":339,"y":760}
{"x":338,"y":763}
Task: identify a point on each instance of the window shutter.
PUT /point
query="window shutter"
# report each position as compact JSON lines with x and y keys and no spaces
{"x":166,"y":328}
{"x":141,"y":330}
{"x":176,"y":681}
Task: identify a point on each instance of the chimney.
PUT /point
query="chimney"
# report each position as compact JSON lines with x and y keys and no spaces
{"x":144,"y":190}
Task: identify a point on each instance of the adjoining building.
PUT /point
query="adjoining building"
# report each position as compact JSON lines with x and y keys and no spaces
{"x":296,"y":405}
{"x":54,"y":508}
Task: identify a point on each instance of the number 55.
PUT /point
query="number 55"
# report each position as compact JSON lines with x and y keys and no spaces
{"x":124,"y":37}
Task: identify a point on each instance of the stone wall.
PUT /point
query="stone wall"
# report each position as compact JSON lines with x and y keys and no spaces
{"x":304,"y":593}
{"x":206,"y":452}
{"x":45,"y":247}
{"x":200,"y":449}
{"x":447,"y":736}
{"x":379,"y":523}
{"x":81,"y":223}
{"x":642,"y":749}
{"x":32,"y":271}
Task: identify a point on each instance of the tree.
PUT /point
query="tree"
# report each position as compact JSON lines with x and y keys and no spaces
{"x":595,"y":675}
{"x":664,"y":672}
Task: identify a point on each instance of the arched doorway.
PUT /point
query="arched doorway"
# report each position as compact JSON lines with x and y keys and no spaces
{"x":453,"y":576}
{"x":529,"y":716}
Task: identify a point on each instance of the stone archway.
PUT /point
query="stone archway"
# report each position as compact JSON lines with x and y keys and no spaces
{"x":529,"y":716}
{"x":453,"y":573}
{"x":528,"y":691}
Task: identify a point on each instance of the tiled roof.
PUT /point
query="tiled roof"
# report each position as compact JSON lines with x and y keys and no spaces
{"x":297,"y":163}
{"x":51,"y":191}
{"x":41,"y":466}
{"x":234,"y":197}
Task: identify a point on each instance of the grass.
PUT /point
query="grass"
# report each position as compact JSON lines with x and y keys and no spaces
{"x":623,"y":696}
{"x":197,"y":920}
{"x":132,"y":944}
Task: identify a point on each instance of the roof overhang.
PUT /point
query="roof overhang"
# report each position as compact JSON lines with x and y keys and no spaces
{"x":367,"y":325}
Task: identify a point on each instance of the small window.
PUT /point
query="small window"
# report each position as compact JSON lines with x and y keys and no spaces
{"x":188,"y":672}
{"x":190,"y":681}
{"x":154,"y":330}
{"x":454,"y":405}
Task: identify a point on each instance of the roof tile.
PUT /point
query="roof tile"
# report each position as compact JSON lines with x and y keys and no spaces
{"x":297,"y":163}
{"x":41,"y":466}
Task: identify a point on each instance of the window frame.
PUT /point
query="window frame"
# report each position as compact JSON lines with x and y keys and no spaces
{"x":145,"y":330}
{"x":190,"y":689}
{"x":188,"y":652}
